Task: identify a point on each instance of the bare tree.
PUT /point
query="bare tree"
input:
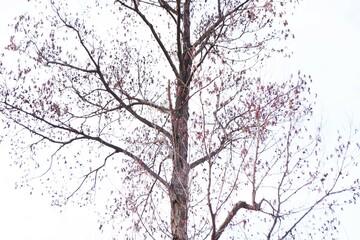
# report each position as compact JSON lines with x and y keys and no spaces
{"x":166,"y":99}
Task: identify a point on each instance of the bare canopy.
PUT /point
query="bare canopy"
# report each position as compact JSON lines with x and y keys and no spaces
{"x":166,"y":100}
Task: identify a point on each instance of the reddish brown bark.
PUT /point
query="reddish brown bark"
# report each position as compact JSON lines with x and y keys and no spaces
{"x":179,"y":188}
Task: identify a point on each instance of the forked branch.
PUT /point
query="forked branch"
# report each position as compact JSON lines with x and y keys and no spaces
{"x":239,"y":205}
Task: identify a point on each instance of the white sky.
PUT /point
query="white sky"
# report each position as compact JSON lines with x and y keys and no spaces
{"x":327,"y":46}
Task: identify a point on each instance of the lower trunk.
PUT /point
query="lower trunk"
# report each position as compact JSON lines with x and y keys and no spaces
{"x":179,"y":189}
{"x":179,"y":203}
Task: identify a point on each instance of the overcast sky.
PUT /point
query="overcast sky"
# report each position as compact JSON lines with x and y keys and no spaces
{"x":326,"y":47}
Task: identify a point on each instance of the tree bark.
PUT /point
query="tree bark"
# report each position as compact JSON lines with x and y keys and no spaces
{"x":179,"y":182}
{"x":179,"y":189}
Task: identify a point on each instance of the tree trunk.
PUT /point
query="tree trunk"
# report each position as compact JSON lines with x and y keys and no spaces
{"x":179,"y":195}
{"x":179,"y":189}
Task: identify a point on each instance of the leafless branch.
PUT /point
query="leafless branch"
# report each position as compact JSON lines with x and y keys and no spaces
{"x":89,"y":137}
{"x":239,"y":205}
{"x":106,"y":85}
{"x":154,"y":33}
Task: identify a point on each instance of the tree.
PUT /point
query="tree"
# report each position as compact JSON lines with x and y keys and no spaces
{"x":168,"y":101}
